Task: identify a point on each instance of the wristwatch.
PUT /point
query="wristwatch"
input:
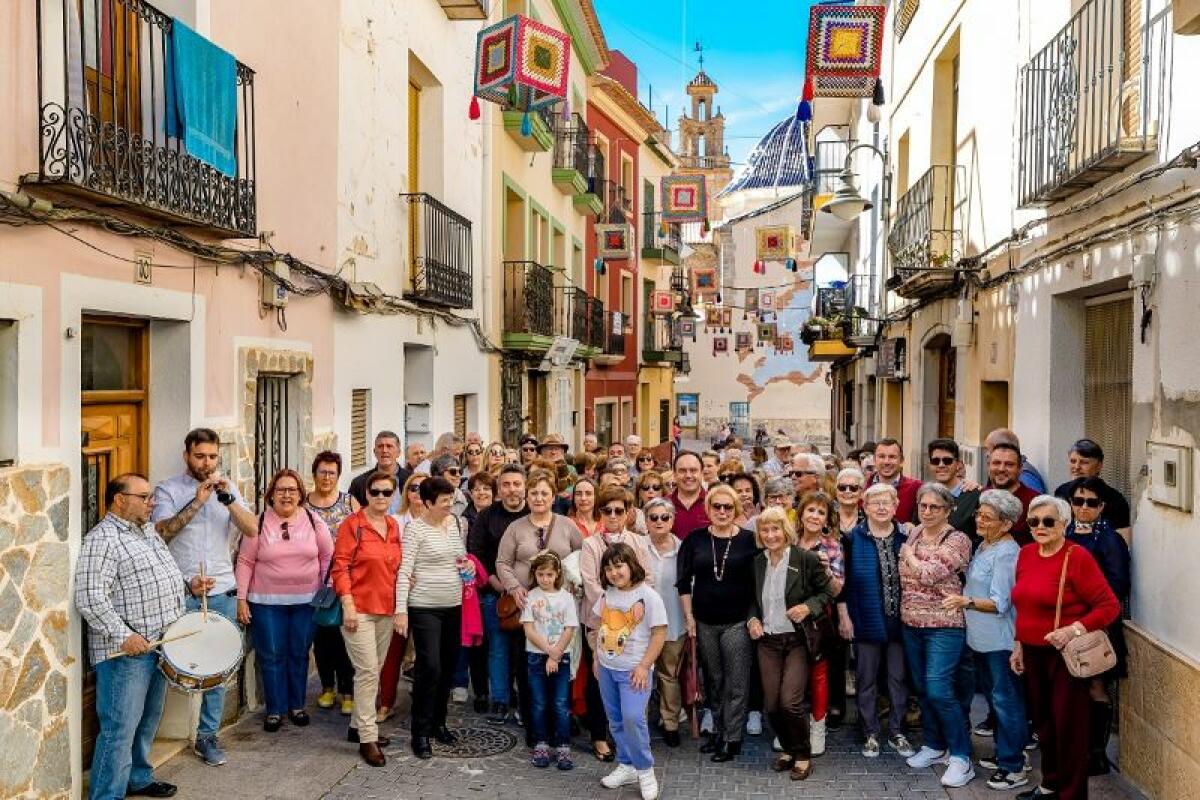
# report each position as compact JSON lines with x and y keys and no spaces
{"x":971,"y":603}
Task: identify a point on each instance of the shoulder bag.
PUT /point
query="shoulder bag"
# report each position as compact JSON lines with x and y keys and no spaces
{"x":328,"y":606}
{"x":1090,"y":654}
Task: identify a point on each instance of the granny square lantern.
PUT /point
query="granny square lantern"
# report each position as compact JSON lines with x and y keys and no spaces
{"x":613,"y":241}
{"x":521,"y":64}
{"x":684,"y":198}
{"x":845,"y":45}
{"x":775,"y":242}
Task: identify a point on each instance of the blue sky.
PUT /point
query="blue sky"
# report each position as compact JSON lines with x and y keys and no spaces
{"x":753,"y":49}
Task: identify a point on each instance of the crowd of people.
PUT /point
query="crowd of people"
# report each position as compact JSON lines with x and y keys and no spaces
{"x":557,"y":591}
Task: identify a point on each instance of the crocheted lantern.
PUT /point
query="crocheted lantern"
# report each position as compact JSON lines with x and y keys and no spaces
{"x":845,"y":47}
{"x":521,"y":64}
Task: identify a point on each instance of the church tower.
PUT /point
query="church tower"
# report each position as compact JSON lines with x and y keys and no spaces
{"x":702,"y":136}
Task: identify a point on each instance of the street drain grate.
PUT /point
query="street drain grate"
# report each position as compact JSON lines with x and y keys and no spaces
{"x":477,"y":743}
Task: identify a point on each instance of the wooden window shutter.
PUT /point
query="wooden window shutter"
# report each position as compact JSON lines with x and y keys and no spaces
{"x":360,"y":400}
{"x":460,"y":416}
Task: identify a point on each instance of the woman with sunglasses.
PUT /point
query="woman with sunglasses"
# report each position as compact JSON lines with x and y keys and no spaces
{"x":1059,"y":703}
{"x":411,"y":506}
{"x":1091,"y":530}
{"x":472,"y":462}
{"x":368,"y":539}
{"x":849,"y":488}
{"x":495,"y":457}
{"x":664,"y":553}
{"x":649,"y":486}
{"x":644,"y":462}
{"x":613,"y":506}
{"x":716,"y":589}
{"x":278,"y":572}
{"x":583,"y":507}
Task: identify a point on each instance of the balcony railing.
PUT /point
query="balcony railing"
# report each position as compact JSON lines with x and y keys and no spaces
{"x":596,"y":319}
{"x":925,"y":233}
{"x":661,"y":340}
{"x":656,"y":243}
{"x":704,"y":162}
{"x":440,"y":241}
{"x":853,"y":305}
{"x":617,"y":323}
{"x":572,"y":313}
{"x":1087,"y":107}
{"x":103,"y":126}
{"x":572,"y":143}
{"x":830,"y":160}
{"x":528,"y":298}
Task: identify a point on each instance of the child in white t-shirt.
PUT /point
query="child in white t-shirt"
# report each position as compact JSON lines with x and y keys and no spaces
{"x":550,"y":623}
{"x":633,"y":627}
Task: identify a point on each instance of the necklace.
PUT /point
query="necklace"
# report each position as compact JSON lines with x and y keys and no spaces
{"x":719,"y":573}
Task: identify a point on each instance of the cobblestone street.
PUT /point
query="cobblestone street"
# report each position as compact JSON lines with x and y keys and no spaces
{"x":299,"y":764}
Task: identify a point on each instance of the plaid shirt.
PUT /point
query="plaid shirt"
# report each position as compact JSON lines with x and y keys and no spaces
{"x":125,"y":582}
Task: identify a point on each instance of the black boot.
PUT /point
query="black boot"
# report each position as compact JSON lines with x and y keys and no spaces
{"x":713,"y":745}
{"x":1100,"y":726}
{"x":444,"y":735}
{"x":421,"y":748}
{"x":728,"y":752}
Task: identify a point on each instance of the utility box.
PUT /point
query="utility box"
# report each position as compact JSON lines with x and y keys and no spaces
{"x":1171,"y":475}
{"x":416,"y":418}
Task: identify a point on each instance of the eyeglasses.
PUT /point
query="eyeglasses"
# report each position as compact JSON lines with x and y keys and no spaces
{"x":382,"y":492}
{"x":880,"y":502}
{"x":286,"y":490}
{"x":930,"y":507}
{"x":652,"y":487}
{"x":796,"y":473}
{"x":528,"y":448}
{"x":982,"y":516}
{"x":659,"y":517}
{"x":1042,"y":522}
{"x":1089,"y":502}
{"x":848,"y":487}
{"x":283,"y":526}
{"x":941,"y":461}
{"x":613,"y":511}
{"x":722,"y":507}
{"x":326,"y":473}
{"x":143,"y":497}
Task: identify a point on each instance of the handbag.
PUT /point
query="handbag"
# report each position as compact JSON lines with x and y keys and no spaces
{"x":817,"y":631}
{"x":509,"y":613}
{"x":689,"y":683}
{"x":1087,"y":655}
{"x":328,"y":607}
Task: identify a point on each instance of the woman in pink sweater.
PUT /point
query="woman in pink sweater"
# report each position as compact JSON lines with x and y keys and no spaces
{"x":278,"y":572}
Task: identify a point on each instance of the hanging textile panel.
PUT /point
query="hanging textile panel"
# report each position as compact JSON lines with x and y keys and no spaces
{"x":684,"y":198}
{"x":521,"y":63}
{"x":662,"y":302}
{"x":775,"y":242}
{"x":750,"y":304}
{"x":742,"y":341}
{"x":720,"y":345}
{"x":845,"y":48}
{"x":613,"y":241}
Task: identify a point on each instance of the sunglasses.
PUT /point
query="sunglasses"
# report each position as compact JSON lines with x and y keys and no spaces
{"x":612,"y":511}
{"x":645,"y":458}
{"x":1089,"y":502}
{"x":722,"y":507}
{"x":796,"y":473}
{"x":453,"y":471}
{"x":1042,"y":522}
{"x":848,"y":487}
{"x":659,"y":517}
{"x":416,"y":487}
{"x":283,"y":526}
{"x":528,"y":448}
{"x":941,"y":461}
{"x":653,"y":487}
{"x":382,"y":492}
{"x":474,"y":451}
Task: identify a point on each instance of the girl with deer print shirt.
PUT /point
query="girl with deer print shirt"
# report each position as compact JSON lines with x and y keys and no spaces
{"x":633,"y":627}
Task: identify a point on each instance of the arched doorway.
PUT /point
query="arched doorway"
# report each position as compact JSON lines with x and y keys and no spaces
{"x":940,"y":390}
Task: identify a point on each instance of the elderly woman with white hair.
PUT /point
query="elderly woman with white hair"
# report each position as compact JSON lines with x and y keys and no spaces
{"x":931,"y":562}
{"x":986,"y":600}
{"x":1060,"y":704}
{"x":869,"y":615}
{"x":848,"y":494}
{"x":664,"y":550}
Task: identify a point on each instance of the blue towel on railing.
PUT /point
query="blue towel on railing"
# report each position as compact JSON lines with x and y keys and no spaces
{"x":201,"y":98}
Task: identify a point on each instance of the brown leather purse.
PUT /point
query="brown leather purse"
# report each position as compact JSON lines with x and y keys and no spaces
{"x":509,"y":613}
{"x":1087,"y":655}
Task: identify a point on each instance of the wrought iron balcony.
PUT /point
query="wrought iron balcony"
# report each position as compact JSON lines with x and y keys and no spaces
{"x":618,"y":324}
{"x":103,"y":125}
{"x":528,"y":304}
{"x":926,"y":236}
{"x":440,"y":241}
{"x":661,"y":340}
{"x":657,"y":245}
{"x":1087,"y":107}
{"x":596,"y":319}
{"x":830,"y":159}
{"x":572,"y":148}
{"x":852,"y":305}
{"x":572,"y":313}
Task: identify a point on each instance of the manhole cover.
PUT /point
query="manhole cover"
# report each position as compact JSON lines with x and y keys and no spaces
{"x":477,"y":743}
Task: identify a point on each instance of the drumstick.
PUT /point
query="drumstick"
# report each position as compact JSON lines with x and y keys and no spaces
{"x":203,"y":595}
{"x":159,"y":643}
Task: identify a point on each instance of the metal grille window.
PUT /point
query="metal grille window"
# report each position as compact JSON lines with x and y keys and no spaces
{"x":271,"y":451}
{"x":512,"y":400}
{"x":1108,"y":381}
{"x":360,"y":409}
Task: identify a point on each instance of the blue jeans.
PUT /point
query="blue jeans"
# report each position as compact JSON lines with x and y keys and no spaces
{"x":282,"y":636}
{"x":1012,"y":725}
{"x":626,"y":709}
{"x":212,"y":706}
{"x":129,"y":701}
{"x":933,"y":657}
{"x":550,"y":692}
{"x":497,"y":648}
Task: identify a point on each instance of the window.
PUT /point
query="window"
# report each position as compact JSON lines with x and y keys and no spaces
{"x":460,"y":416}
{"x":360,"y":411}
{"x":626,"y":294}
{"x":8,"y":392}
{"x":1108,"y":383}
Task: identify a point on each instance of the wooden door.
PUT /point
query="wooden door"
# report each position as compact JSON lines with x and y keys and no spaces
{"x":111,"y":73}
{"x":947,"y":391}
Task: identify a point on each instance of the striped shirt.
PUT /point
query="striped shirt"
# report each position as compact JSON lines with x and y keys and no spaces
{"x":126,"y":582}
{"x":430,"y":554}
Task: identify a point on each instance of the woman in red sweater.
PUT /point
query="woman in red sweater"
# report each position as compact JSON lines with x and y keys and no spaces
{"x":1058,"y":702}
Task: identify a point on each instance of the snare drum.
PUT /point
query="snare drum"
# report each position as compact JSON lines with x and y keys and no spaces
{"x":207,"y":657}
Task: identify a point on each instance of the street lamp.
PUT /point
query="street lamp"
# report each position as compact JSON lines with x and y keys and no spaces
{"x":848,"y":202}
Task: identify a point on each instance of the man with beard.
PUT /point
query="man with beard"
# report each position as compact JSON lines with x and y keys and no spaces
{"x":197,"y":513}
{"x":1004,"y":470}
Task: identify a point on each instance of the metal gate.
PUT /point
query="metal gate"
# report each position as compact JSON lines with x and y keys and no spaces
{"x":739,"y":419}
{"x":1108,"y":382}
{"x":512,"y":400}
{"x":270,"y":431}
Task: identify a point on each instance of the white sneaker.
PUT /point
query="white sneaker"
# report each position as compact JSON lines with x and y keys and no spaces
{"x":926,"y":757}
{"x":648,"y":784}
{"x":816,"y":736}
{"x":623,"y":775}
{"x":776,"y":746}
{"x":754,"y":723}
{"x":706,"y":722}
{"x":459,"y":695}
{"x":682,"y":716}
{"x":959,"y":773}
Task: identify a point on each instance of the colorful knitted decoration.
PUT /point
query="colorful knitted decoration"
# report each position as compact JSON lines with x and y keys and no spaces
{"x":522,"y":64}
{"x":613,"y":241}
{"x":775,"y":243}
{"x":845,"y":47}
{"x":684,"y":199}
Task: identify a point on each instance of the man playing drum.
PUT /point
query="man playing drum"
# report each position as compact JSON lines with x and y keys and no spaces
{"x":198,"y":514}
{"x":128,"y":589}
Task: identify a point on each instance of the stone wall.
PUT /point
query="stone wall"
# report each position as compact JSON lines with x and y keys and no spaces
{"x":1160,"y":719}
{"x":35,"y":746}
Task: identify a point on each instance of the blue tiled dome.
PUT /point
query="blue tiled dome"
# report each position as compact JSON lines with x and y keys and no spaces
{"x":780,"y":160}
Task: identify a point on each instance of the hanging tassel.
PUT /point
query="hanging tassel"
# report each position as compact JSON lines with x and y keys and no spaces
{"x":875,"y":110}
{"x":704,"y":226}
{"x":790,"y":264}
{"x":804,"y":112}
{"x":718,"y":298}
{"x":473,"y":109}
{"x":526,"y":124}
